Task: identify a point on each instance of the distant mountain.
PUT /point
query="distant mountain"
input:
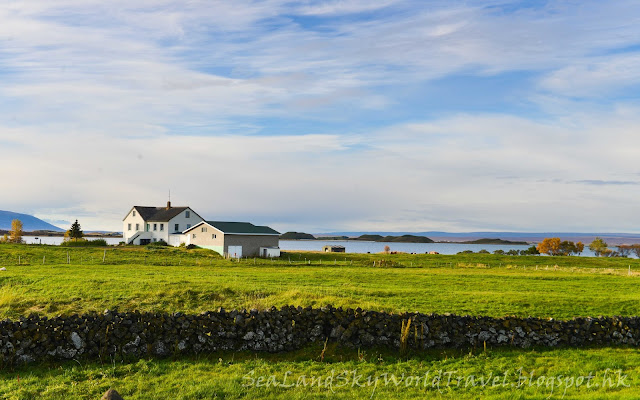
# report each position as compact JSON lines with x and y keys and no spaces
{"x":29,"y":222}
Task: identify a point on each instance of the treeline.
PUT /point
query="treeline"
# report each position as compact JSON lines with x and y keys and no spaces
{"x":558,"y":247}
{"x":531,"y":251}
{"x":74,"y":237}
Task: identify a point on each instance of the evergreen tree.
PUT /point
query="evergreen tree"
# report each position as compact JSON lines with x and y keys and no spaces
{"x":75,"y":232}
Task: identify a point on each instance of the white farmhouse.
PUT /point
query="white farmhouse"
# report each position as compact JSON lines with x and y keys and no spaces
{"x":144,"y":225}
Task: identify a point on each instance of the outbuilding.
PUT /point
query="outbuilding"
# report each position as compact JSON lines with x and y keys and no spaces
{"x":333,"y":249}
{"x":235,"y":239}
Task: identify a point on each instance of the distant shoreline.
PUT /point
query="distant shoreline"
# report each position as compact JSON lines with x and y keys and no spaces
{"x":479,"y":241}
{"x":61,"y":234}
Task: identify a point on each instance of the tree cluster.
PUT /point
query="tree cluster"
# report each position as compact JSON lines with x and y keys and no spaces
{"x":601,"y":249}
{"x":558,"y":247}
{"x":625,"y":250}
{"x":531,"y":251}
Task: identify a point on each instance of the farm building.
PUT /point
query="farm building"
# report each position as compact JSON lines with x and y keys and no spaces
{"x":144,"y":225}
{"x":333,"y":249}
{"x":235,"y":239}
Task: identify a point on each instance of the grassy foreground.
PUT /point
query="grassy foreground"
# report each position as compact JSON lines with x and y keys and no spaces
{"x":50,"y":280}
{"x":195,"y":280}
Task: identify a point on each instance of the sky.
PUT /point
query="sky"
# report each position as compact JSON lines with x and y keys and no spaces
{"x":324,"y":116}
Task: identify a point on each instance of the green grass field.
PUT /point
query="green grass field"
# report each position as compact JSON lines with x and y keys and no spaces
{"x":51,"y":280}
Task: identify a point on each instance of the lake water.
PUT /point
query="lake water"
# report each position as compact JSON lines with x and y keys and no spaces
{"x":351,"y":246}
{"x":56,"y":240}
{"x":356,"y":246}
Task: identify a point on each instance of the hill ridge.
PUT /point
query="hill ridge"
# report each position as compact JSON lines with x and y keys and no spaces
{"x":29,"y":222}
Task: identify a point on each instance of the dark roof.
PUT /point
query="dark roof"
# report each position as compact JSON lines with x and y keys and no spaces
{"x":160,"y":214}
{"x":242,"y":228}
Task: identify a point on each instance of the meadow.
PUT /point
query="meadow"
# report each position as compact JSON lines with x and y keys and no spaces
{"x":51,"y":280}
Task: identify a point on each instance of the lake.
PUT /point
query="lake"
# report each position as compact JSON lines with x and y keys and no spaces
{"x":56,"y":240}
{"x":351,"y":246}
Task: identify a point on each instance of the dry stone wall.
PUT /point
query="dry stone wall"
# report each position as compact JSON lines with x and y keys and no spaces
{"x":134,"y":334}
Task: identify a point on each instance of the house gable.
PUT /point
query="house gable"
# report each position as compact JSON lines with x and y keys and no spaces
{"x":157,"y":223}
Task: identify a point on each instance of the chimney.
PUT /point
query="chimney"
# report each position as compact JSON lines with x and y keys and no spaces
{"x":168,"y":205}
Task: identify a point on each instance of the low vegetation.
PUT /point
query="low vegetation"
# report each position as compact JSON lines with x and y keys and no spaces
{"x":84,"y":243}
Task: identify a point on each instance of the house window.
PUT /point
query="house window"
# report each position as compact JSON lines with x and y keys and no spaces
{"x":187,"y":214}
{"x":148,"y":227}
{"x":155,"y":227}
{"x":188,"y":226}
{"x":137,"y":227}
{"x":213,"y":236}
{"x":134,"y":213}
{"x":161,"y":227}
{"x":177,"y":228}
{"x":129,"y":226}
{"x":154,"y":239}
{"x":204,"y":229}
{"x":194,"y":236}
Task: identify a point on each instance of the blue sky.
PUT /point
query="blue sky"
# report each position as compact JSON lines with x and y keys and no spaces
{"x":324,"y":115}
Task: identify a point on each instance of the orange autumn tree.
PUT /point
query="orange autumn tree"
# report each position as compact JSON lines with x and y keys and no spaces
{"x":550,"y":246}
{"x":556,"y":247}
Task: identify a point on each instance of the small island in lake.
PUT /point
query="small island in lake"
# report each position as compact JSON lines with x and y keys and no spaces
{"x":494,"y":241}
{"x":297,"y":236}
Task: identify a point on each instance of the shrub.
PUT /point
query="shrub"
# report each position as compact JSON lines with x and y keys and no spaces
{"x":158,"y":244}
{"x":84,"y":243}
{"x":531,"y":251}
{"x":192,"y":246}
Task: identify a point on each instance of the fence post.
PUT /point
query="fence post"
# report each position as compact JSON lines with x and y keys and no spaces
{"x":104,"y":255}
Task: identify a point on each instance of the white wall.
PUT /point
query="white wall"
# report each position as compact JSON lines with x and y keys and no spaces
{"x":169,"y":227}
{"x":133,"y":220}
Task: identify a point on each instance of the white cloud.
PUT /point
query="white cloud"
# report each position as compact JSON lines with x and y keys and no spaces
{"x":337,"y":7}
{"x":598,"y":77}
{"x":106,"y":104}
{"x":464,"y":172}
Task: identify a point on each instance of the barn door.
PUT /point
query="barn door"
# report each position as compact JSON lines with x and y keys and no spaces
{"x":235,"y":251}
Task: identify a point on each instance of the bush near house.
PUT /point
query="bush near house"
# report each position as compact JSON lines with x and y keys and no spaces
{"x":84,"y":243}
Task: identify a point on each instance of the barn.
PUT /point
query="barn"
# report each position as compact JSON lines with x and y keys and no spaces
{"x":235,"y":239}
